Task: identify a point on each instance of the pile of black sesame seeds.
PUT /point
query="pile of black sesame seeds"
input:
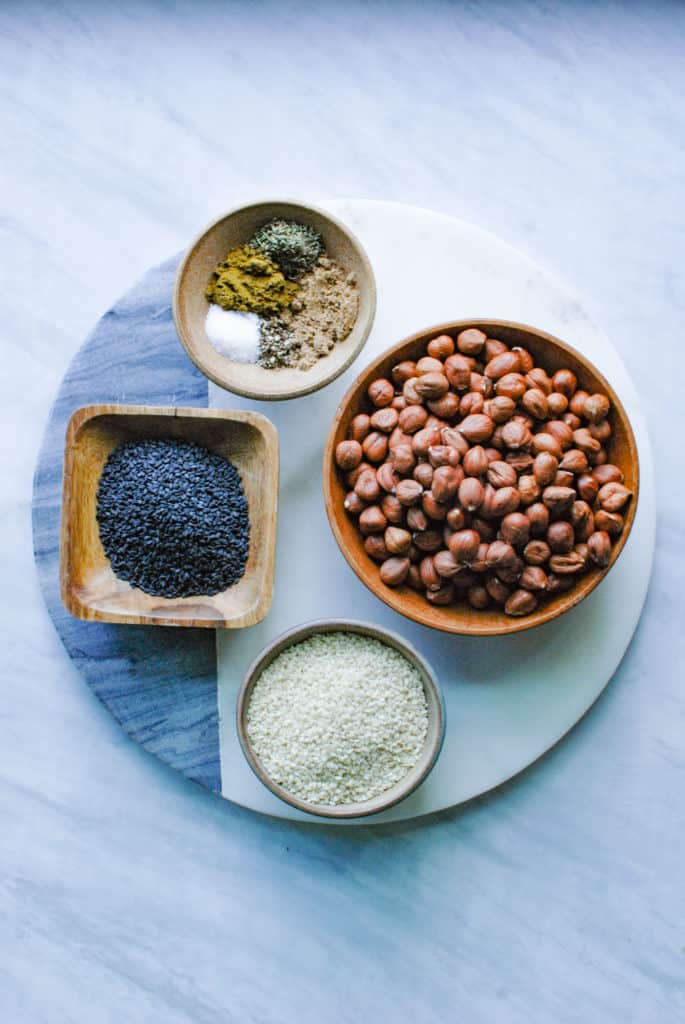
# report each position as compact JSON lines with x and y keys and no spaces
{"x":173,"y":518}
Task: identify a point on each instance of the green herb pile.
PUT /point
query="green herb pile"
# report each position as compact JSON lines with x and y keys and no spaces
{"x":294,"y":247}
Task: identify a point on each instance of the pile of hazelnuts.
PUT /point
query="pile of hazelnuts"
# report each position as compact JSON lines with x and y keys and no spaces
{"x":476,"y":476}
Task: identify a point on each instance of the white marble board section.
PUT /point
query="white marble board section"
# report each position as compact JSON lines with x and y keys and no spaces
{"x":509,"y":699}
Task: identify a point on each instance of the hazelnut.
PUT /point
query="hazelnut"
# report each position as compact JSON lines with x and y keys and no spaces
{"x":533,"y":578}
{"x":393,"y":509}
{"x":557,"y":404}
{"x":423,"y":473}
{"x":565,"y":382}
{"x":476,"y":428}
{"x":471,"y":341}
{"x":563,"y":478}
{"x":574,"y":461}
{"x":409,"y":392}
{"x":612,"y":522}
{"x":516,"y":435}
{"x":596,"y":408}
{"x":375,"y":446}
{"x":537,"y":378}
{"x":426,"y":364}
{"x":397,"y":540}
{"x":494,"y":347}
{"x":353,"y":475}
{"x":573,"y":421}
{"x":443,"y":596}
{"x":613,"y":496}
{"x":457,"y":369}
{"x":560,"y":537}
{"x":529,"y":489}
{"x":432,"y":386}
{"x":534,"y":401}
{"x":445,"y":564}
{"x":545,"y":468}
{"x":599,"y":547}
{"x":464,"y":545}
{"x":521,"y":461}
{"x":525,"y":358}
{"x":500,"y":556}
{"x":399,"y":403}
{"x":385,"y":420}
{"x":445,"y":483}
{"x":485,"y":530}
{"x":440,"y":347}
{"x":413,"y":579}
{"x":561,"y":432}
{"x":348,"y":454}
{"x":505,"y":501}
{"x":417,"y":519}
{"x":582,"y":520}
{"x":353,"y":504}
{"x":399,"y":437}
{"x":413,"y":418}
{"x":403,"y":372}
{"x":521,"y":602}
{"x":423,"y":439}
{"x":446,"y":407}
{"x":394,"y":571}
{"x":375,"y":548}
{"x":479,"y":563}
{"x":470,"y":403}
{"x":503,"y":363}
{"x":387,"y":477}
{"x":567,"y":565}
{"x":587,"y":487}
{"x":456,"y":519}
{"x":427,"y":540}
{"x":577,"y":402}
{"x":381,"y":393}
{"x":359,"y":427}
{"x":433,"y":508}
{"x":559,"y":584}
{"x":544,"y":442}
{"x":402,"y":458}
{"x":600,"y":431}
{"x":539,"y":518}
{"x":475,"y":462}
{"x":536,"y":552}
{"x":515,"y":529}
{"x":429,"y":574}
{"x":498,"y":591}
{"x":471,"y":494}
{"x":372,"y":520}
{"x":607,"y":474}
{"x":367,"y":486}
{"x":511,"y":385}
{"x":501,"y":474}
{"x":500,"y":408}
{"x":451,"y":436}
{"x":478,"y":597}
{"x":408,"y":492}
{"x":558,"y":499}
{"x":443,"y":455}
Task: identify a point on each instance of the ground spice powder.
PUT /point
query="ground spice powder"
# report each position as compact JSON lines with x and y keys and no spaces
{"x":250,"y":282}
{"x":323,"y":312}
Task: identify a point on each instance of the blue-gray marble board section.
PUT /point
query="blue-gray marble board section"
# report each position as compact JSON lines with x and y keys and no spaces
{"x":159,"y":683}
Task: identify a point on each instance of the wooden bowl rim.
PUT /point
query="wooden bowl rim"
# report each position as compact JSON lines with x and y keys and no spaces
{"x":84,"y":415}
{"x":288,"y":393}
{"x":394,"y":598}
{"x":434,"y":699}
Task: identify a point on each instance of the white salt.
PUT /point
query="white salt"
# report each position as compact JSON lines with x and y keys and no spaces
{"x":234,"y":335}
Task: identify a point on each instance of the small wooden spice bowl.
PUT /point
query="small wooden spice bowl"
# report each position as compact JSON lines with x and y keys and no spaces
{"x":548,"y":352}
{"x":434,"y":700}
{"x":190,"y":305}
{"x":90,"y":590}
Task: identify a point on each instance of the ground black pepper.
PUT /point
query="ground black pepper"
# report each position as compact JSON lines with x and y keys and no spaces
{"x":173,"y":518}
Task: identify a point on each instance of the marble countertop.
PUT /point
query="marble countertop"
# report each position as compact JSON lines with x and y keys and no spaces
{"x":126,"y":893}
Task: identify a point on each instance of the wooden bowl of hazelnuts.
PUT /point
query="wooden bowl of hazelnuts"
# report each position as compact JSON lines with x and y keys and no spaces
{"x":481,"y":477}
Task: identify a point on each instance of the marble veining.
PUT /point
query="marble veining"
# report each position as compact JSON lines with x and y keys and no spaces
{"x":125,"y":892}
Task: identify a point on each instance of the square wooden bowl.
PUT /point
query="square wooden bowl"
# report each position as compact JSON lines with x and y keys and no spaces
{"x":90,"y":590}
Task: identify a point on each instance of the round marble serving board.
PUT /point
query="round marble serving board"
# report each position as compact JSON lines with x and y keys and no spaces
{"x":508,"y":699}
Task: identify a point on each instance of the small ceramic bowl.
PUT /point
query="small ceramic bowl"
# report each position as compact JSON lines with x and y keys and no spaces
{"x":548,"y":352}
{"x":90,"y":590}
{"x":190,"y":305}
{"x":434,"y":700}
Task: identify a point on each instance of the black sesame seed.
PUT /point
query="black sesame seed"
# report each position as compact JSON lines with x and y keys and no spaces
{"x":173,"y":518}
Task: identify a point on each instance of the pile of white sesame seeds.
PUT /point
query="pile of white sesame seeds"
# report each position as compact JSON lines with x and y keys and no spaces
{"x":338,"y":718}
